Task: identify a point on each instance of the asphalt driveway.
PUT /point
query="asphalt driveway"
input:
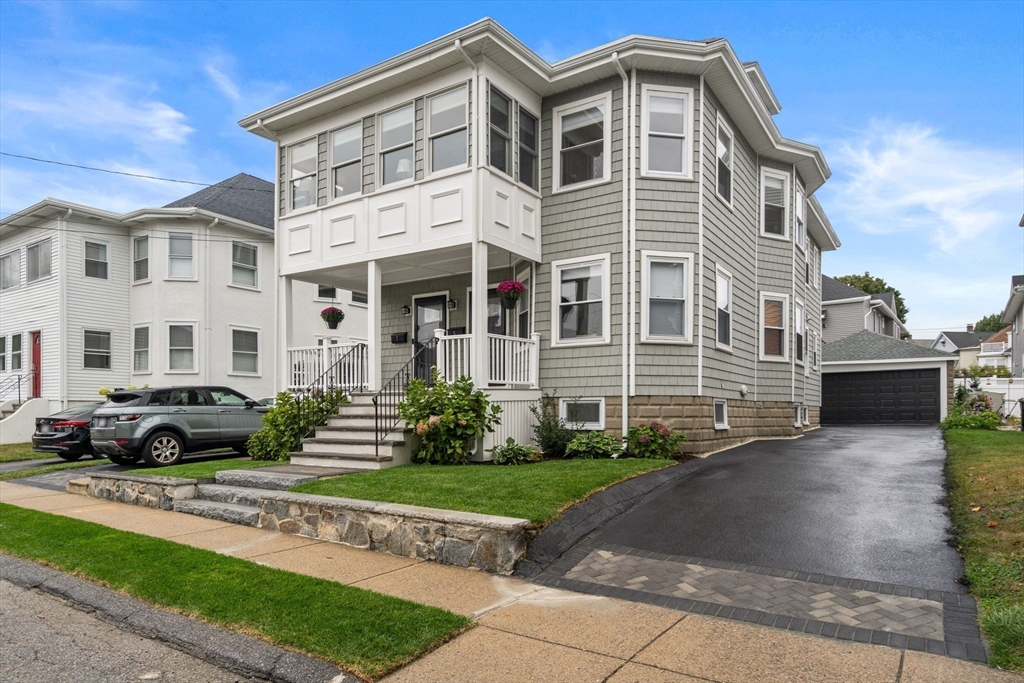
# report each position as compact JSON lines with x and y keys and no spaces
{"x":863,"y":502}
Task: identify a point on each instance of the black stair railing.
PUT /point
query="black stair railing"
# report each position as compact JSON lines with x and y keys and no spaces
{"x":385,"y":401}
{"x":313,"y":404}
{"x":13,"y":383}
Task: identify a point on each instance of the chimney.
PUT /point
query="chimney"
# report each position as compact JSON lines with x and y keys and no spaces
{"x":970,"y":328}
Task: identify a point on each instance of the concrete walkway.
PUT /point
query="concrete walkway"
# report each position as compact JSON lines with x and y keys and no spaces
{"x":528,"y":632}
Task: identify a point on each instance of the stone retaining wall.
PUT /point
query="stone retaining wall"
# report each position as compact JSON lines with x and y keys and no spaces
{"x":145,"y":491}
{"x":463,"y":539}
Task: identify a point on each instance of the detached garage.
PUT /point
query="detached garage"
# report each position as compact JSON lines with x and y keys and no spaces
{"x":871,"y":379}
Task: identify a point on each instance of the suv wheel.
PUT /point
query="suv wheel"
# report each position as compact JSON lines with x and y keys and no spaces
{"x":163,"y":449}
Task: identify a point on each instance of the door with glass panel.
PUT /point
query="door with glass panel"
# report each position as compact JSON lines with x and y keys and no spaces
{"x":428,"y":315}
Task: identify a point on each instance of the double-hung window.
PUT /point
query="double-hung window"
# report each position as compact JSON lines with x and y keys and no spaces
{"x":38,"y":258}
{"x":244,"y":264}
{"x":773,"y":203}
{"x":665,"y":280}
{"x":800,"y":219}
{"x":326,"y":292}
{"x":773,"y":326}
{"x":245,"y":347}
{"x":140,"y":350}
{"x":583,"y":290}
{"x":96,"y":350}
{"x":10,"y":270}
{"x":501,"y":131}
{"x":346,"y":160}
{"x":3,"y":354}
{"x":396,"y":145}
{"x":181,"y":347}
{"x":140,"y":259}
{"x":179,"y":255}
{"x":724,"y":153}
{"x":15,"y":352}
{"x":723,"y":298}
{"x":665,"y":127}
{"x":583,"y":138}
{"x":529,"y":146}
{"x":800,"y":338}
{"x":448,"y":131}
{"x":96,"y":260}
{"x":302,"y":174}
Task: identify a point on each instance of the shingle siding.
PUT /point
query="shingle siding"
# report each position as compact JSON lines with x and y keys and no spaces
{"x":369,"y":147}
{"x":842,"y":320}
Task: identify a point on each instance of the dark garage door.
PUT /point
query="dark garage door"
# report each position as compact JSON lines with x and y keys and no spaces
{"x":884,"y":397}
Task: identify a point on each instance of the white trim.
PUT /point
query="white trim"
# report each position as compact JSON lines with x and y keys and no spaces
{"x":149,"y":349}
{"x":148,"y":260}
{"x":784,"y":176}
{"x":801,"y":358}
{"x":720,"y":123}
{"x":192,"y":259}
{"x":255,"y":269}
{"x":49,"y":274}
{"x":606,"y":292}
{"x":646,"y":257}
{"x":725,"y":411}
{"x":85,"y":257}
{"x":380,"y":151}
{"x":333,"y":164}
{"x":290,"y":207}
{"x":231,"y":351}
{"x":719,"y":270}
{"x":556,"y":152}
{"x":508,"y":172}
{"x":195,"y":346}
{"x":773,"y":296}
{"x":429,"y":135}
{"x":685,"y":94}
{"x":830,"y":302}
{"x":584,"y":426}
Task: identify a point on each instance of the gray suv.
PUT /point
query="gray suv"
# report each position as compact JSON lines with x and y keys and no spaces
{"x":162,"y":425}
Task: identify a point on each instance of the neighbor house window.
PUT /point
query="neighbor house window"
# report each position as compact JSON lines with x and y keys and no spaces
{"x":666,"y":143}
{"x":360,"y":298}
{"x":325,"y":292}
{"x":583,"y":291}
{"x":96,"y":350}
{"x":721,"y":414}
{"x":15,"y":352}
{"x":181,"y":347}
{"x":582,"y":138}
{"x":583,"y":414}
{"x":3,"y":354}
{"x":346,"y":160}
{"x":665,"y":279}
{"x":448,"y":132}
{"x":396,"y":145}
{"x":244,"y":264}
{"x":179,"y":255}
{"x":302,"y":173}
{"x":529,"y":147}
{"x":96,"y":260}
{"x":38,"y":258}
{"x":245,"y":347}
{"x":10,"y":270}
{"x":773,"y":325}
{"x":799,"y":331}
{"x":805,"y":415}
{"x":140,"y":350}
{"x":140,"y":259}
{"x":501,"y":131}
{"x":723,"y":298}
{"x":773,"y":203}
{"x":724,"y":152}
{"x":801,"y":226}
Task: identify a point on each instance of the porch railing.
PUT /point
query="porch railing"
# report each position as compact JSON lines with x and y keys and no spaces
{"x":385,"y":401}
{"x":308,"y":364}
{"x":10,"y":386}
{"x":347,"y":373}
{"x":994,"y":347}
{"x":511,"y":361}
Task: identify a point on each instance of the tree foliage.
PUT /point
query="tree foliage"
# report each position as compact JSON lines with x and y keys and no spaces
{"x":990,"y":323}
{"x":869,"y":284}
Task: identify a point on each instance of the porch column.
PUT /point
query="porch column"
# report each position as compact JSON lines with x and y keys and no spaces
{"x":479,"y":315}
{"x":373,"y":334}
{"x":284,"y":333}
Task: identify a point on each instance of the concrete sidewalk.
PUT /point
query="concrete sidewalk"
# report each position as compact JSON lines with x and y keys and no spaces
{"x":528,"y":632}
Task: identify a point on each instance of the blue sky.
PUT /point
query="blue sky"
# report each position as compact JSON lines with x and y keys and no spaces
{"x":919,"y":107}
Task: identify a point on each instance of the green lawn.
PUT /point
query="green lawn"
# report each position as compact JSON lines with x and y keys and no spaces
{"x":204,"y":470}
{"x":985,"y":471}
{"x":538,"y":492}
{"x":13,"y":452}
{"x":366,"y":633}
{"x":46,"y":469}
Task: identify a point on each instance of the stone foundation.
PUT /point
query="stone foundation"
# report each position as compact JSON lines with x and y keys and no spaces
{"x":694,"y":417}
{"x":463,"y":539}
{"x":145,"y":491}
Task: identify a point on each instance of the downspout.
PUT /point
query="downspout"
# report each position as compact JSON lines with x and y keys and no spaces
{"x":699,"y":296}
{"x":632,"y":236}
{"x":62,"y":329}
{"x":759,"y":332}
{"x":206,"y":303}
{"x":792,"y":272}
{"x":627,"y":140}
{"x":265,"y":130}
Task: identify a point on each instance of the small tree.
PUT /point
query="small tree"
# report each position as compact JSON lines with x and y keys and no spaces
{"x":990,"y":323}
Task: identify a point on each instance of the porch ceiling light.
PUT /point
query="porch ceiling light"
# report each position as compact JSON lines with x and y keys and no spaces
{"x":406,"y":310}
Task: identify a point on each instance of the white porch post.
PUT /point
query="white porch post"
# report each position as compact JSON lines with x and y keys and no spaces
{"x":373,"y":333}
{"x":535,"y":361}
{"x":480,"y":356}
{"x":284,"y":333}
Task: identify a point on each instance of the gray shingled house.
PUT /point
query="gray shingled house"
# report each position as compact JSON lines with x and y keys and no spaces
{"x":667,"y":235}
{"x":846,"y":310}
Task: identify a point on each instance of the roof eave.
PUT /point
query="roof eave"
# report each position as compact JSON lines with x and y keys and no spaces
{"x":145,"y":215}
{"x":820,"y":228}
{"x":1013,"y":305}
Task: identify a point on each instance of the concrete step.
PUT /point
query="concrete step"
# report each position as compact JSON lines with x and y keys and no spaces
{"x":361,"y":410}
{"x":362,"y":422}
{"x":360,"y":399}
{"x":236,"y":495}
{"x":357,"y":433}
{"x":349,"y":446}
{"x":225,"y":512}
{"x":350,"y":461}
{"x":255,"y":479}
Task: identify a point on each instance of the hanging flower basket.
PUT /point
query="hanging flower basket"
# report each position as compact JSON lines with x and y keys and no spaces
{"x":509,"y":292}
{"x":332,"y":316}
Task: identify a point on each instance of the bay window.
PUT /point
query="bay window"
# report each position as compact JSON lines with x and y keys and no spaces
{"x":140,"y":259}
{"x":500,"y":120}
{"x":179,"y":255}
{"x":723,"y":297}
{"x":666,"y":285}
{"x":724,"y":154}
{"x":583,"y":140}
{"x":396,"y":145}
{"x":529,"y":147}
{"x":773,"y":326}
{"x":665,"y":126}
{"x":448,"y":129}
{"x":302,"y":174}
{"x":347,"y":160}
{"x":583,"y":291}
{"x":774,"y":188}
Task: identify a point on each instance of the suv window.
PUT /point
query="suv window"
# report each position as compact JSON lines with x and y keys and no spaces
{"x":189,"y":397}
{"x":160,"y":398}
{"x":226,"y":397}
{"x":122,"y":400}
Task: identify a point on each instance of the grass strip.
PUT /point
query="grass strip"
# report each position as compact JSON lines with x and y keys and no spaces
{"x":985,"y":472}
{"x":366,"y":633}
{"x":203,"y":470}
{"x":46,"y":469}
{"x":538,"y":492}
{"x":16,"y":452}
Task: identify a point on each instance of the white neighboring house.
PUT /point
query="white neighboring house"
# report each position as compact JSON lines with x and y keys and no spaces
{"x":996,"y":351}
{"x":183,"y":294}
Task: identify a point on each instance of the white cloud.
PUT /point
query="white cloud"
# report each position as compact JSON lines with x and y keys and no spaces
{"x":223,"y":82}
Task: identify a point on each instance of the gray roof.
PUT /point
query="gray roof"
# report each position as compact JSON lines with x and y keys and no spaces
{"x":244,"y":197}
{"x":832,"y":289}
{"x":1017,"y":281}
{"x":868,"y":345}
{"x":967,"y":340}
{"x":927,"y":343}
{"x":888,"y":298}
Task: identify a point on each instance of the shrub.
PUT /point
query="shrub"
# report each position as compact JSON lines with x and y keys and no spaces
{"x":653,"y":441}
{"x":511,"y":453}
{"x":985,"y":420}
{"x":448,"y":418}
{"x":593,"y":446}
{"x":284,"y":427}
{"x":550,"y":430}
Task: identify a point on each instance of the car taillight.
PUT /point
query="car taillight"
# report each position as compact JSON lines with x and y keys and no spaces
{"x":128,"y":418}
{"x":70,"y":424}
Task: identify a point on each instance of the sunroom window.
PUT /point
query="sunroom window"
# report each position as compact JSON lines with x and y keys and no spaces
{"x":501,"y":131}
{"x":448,"y":130}
{"x":528,"y":148}
{"x":581,"y":144}
{"x":302,"y":174}
{"x":396,"y":145}
{"x":346,"y":160}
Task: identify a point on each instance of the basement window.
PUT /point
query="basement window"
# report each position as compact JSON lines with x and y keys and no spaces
{"x":721,"y":413}
{"x":583,"y":414}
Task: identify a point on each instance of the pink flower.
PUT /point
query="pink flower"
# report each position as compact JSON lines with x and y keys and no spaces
{"x":422,"y":428}
{"x":644,"y":438}
{"x":663,"y":430}
{"x":510,"y":289}
{"x":462,"y":423}
{"x":434,"y":420}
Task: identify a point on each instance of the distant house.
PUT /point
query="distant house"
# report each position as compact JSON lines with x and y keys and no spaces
{"x":966,"y":345}
{"x":1013,"y":315}
{"x":995,"y":350}
{"x":846,"y":310}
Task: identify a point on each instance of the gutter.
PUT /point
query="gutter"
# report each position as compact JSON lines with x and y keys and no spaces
{"x":627,"y":139}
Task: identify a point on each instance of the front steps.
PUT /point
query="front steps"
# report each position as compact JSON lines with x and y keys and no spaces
{"x":349,"y":440}
{"x":235,"y":495}
{"x":6,"y":412}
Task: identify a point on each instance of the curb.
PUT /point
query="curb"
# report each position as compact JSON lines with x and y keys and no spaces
{"x":235,"y":652}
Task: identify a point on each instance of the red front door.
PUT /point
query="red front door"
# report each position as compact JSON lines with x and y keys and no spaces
{"x":37,"y":364}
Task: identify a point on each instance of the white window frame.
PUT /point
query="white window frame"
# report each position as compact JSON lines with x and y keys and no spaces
{"x":800,"y":333}
{"x":194,"y":324}
{"x":556,"y":157}
{"x":798,"y":413}
{"x":49,"y":263}
{"x":509,"y":137}
{"x":812,"y":351}
{"x":3,"y":353}
{"x":815,"y":265}
{"x":770,"y":172}
{"x":720,"y":124}
{"x":15,"y":259}
{"x":86,"y":259}
{"x":805,"y":415}
{"x":380,"y":184}
{"x":336,"y":163}
{"x":519,"y":147}
{"x":606,"y":293}
{"x":136,"y":260}
{"x":259,"y":351}
{"x":360,"y":304}
{"x":563,"y":412}
{"x":646,"y":257}
{"x":774,"y":296}
{"x":255,"y":269}
{"x":685,"y":94}
{"x":192,"y":258}
{"x":431,"y":134}
{"x":320,"y":297}
{"x":290,"y":181}
{"x":148,"y":349}
{"x":725,"y":413}
{"x":18,"y":355}
{"x":721,"y":272}
{"x":800,"y":218}
{"x":98,"y":352}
